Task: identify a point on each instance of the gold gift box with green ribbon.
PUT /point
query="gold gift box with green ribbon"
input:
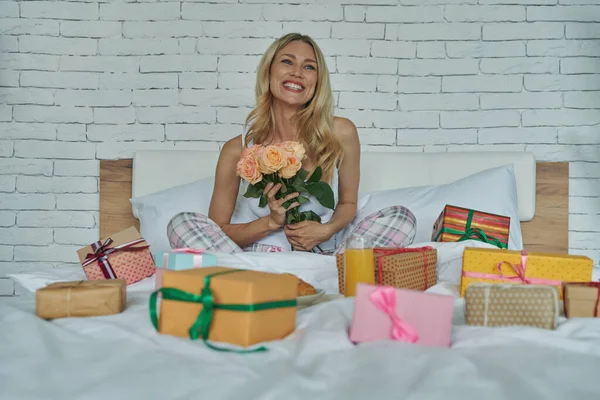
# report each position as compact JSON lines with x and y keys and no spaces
{"x":219,"y":304}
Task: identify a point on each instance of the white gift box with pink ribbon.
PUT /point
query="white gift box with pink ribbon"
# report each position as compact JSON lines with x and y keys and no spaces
{"x":181,"y":259}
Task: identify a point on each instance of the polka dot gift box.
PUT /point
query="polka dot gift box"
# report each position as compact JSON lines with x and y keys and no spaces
{"x":522,"y":267}
{"x":124,"y":255}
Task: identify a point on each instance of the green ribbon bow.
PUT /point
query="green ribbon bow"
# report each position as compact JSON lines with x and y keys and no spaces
{"x":201,"y":327}
{"x":473,"y":233}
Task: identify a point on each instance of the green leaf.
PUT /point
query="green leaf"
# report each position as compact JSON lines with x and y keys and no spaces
{"x":289,"y":218}
{"x":262,"y":202}
{"x":302,"y":174}
{"x":302,"y":200}
{"x":310,"y":216}
{"x":323,"y":193}
{"x":316,"y":175}
{"x":315,"y":189}
{"x":252,"y":192}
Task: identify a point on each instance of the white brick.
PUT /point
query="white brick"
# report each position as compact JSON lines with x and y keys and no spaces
{"x":31,"y":236}
{"x":352,"y":30}
{"x":56,"y":150}
{"x":155,"y":97}
{"x":90,"y":29}
{"x":56,"y":219}
{"x":204,"y":80}
{"x":560,"y":117}
{"x":17,"y":201}
{"x":9,"y":9}
{"x":118,"y":150}
{"x":584,"y":223}
{"x":393,"y":49}
{"x":579,"y":65}
{"x":420,"y":2}
{"x":218,"y":97}
{"x":302,"y":12}
{"x":405,"y":14}
{"x":584,"y":205}
{"x":519,"y":65}
{"x":25,"y":62}
{"x":106,"y":133}
{"x":114,"y":115}
{"x":137,"y":47}
{"x":521,"y":100}
{"x":238,"y":63}
{"x":20,"y":267}
{"x":162,"y":29}
{"x":562,"y":82}
{"x":6,"y":253}
{"x":187,"y":46}
{"x":360,"y":118}
{"x":27,"y":96}
{"x":226,"y":80}
{"x":355,"y":13}
{"x":579,"y":135}
{"x":7,"y":184}
{"x":485,"y":49}
{"x":21,"y":26}
{"x":374,"y":136}
{"x":27,"y":131}
{"x":25,"y":166}
{"x":198,"y":145}
{"x":102,"y":98}
{"x":99,"y":63}
{"x":56,"y":253}
{"x":231,"y":115}
{"x":435,"y":136}
{"x":522,"y":31}
{"x":524,"y":2}
{"x":139,"y":11}
{"x":55,"y":114}
{"x":138,"y":81}
{"x":71,"y":132}
{"x":479,"y":119}
{"x":59,"y":10}
{"x":431,"y":50}
{"x":437,"y":67}
{"x":250,"y":46}
{"x":438,"y":101}
{"x":560,"y":13}
{"x":584,"y":170}
{"x":9,"y":78}
{"x":373,"y":101}
{"x":577,"y":187}
{"x":419,"y":85}
{"x":583,"y":31}
{"x":483,"y":13}
{"x":517,"y":135}
{"x":354,"y":82}
{"x":242,"y":29}
{"x":479,"y":147}
{"x":562,"y":48}
{"x":387,"y":119}
{"x":9,"y":44}
{"x":582,"y":100}
{"x":555,"y":152}
{"x":202,"y":132}
{"x":442,"y":31}
{"x":220,"y":12}
{"x":178,"y":63}
{"x":343,"y":47}
{"x":6,"y":148}
{"x":6,"y":113}
{"x":59,"y":80}
{"x":79,"y":201}
{"x":8,"y":287}
{"x":386,"y":83}
{"x":367,"y":65}
{"x":174,"y":115}
{"x":316,"y":30}
{"x":76,"y":168}
{"x":7,"y":218}
{"x":75,"y":236}
{"x":57,"y":45}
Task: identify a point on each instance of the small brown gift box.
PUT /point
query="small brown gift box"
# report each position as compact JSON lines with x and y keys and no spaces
{"x":406,"y":268}
{"x":511,"y":305}
{"x":81,"y":299}
{"x":244,"y":289}
{"x":581,"y":299}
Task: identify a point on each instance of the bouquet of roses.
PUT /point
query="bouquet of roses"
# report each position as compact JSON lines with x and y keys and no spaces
{"x":282,"y":163}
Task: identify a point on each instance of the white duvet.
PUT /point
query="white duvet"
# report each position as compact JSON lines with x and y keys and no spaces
{"x":122,"y":357}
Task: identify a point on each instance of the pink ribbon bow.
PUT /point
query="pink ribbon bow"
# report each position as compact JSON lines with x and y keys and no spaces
{"x":188,"y":250}
{"x":101,"y":252}
{"x":384,"y":298}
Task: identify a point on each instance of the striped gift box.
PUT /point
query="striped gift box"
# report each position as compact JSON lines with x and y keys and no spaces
{"x":456,"y":224}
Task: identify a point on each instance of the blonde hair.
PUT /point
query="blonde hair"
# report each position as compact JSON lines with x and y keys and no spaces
{"x":315,"y":120}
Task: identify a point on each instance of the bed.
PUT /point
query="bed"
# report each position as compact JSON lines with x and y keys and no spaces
{"x":122,"y":356}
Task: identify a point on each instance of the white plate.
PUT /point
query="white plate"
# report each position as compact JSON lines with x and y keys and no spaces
{"x":310,"y":299}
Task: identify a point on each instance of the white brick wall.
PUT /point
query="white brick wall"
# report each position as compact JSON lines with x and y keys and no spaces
{"x":83,"y":81}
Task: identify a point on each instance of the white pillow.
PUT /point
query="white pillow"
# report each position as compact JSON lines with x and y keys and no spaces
{"x":493,"y":190}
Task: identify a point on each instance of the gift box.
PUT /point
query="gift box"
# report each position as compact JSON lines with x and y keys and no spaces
{"x":386,"y":313}
{"x":408,"y":268}
{"x":239,"y":307}
{"x":522,"y":267}
{"x":581,"y":299}
{"x":511,"y":305}
{"x":123,"y":255}
{"x":456,"y":224}
{"x":181,"y":259}
{"x":81,"y":299}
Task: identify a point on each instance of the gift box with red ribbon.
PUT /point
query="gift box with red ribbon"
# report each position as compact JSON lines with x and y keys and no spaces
{"x":582,"y":299}
{"x":408,"y":268}
{"x":181,"y":259}
{"x":124,"y":255}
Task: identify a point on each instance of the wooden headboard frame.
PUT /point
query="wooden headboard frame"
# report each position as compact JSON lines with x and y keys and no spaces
{"x":548,"y":231}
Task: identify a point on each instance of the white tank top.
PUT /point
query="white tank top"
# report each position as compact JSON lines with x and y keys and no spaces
{"x":248,"y":210}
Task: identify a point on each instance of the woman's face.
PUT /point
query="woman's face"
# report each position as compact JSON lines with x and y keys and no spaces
{"x":294,"y":74}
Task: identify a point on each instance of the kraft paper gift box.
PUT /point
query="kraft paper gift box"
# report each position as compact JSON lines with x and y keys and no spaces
{"x":81,"y":299}
{"x":386,"y":313}
{"x":498,"y":305}
{"x":219,"y":304}
{"x":181,"y":259}
{"x":457,"y":224}
{"x":582,"y":300}
{"x":408,"y":268}
{"x":123,"y":255}
{"x":522,"y":267}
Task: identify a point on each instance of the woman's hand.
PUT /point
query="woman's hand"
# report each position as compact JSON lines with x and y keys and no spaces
{"x":277,"y":216}
{"x":305,"y":235}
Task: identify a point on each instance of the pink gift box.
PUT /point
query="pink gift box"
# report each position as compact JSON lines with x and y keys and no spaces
{"x":387,"y":313}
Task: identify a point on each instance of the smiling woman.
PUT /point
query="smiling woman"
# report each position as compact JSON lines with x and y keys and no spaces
{"x":294,"y":103}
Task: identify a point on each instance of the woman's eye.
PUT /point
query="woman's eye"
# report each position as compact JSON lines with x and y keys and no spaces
{"x":286,"y":61}
{"x":312,"y":67}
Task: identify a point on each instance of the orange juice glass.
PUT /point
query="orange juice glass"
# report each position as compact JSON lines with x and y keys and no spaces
{"x":359,"y":264}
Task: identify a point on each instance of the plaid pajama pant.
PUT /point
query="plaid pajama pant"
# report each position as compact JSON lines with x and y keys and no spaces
{"x":393,"y":226}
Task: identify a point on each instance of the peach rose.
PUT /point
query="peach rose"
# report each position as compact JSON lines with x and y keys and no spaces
{"x":295,"y":148}
{"x":272,"y":159}
{"x":292,"y":166}
{"x":253,"y":150}
{"x":247,"y":169}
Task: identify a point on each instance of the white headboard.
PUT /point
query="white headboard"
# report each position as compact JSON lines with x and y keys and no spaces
{"x":155,"y":170}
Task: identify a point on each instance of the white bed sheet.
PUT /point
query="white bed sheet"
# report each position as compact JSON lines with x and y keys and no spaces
{"x":122,"y":357}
